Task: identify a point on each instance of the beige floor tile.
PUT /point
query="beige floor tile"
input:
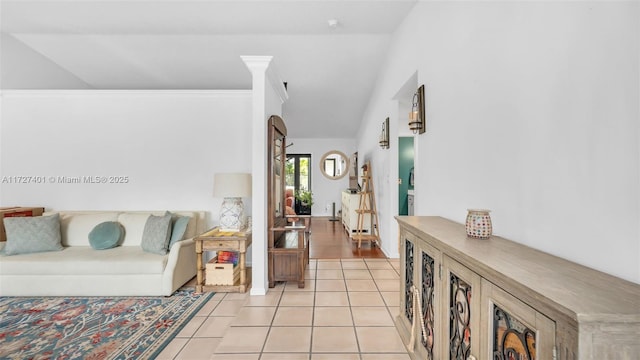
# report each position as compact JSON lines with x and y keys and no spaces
{"x":293,"y":316}
{"x":208,"y":308}
{"x":191,"y":327}
{"x":394,"y":311}
{"x":172,"y":349}
{"x":329,"y":264}
{"x":312,"y":264}
{"x":288,"y":339}
{"x":243,"y":339}
{"x":329,"y":274}
{"x":309,"y":285}
{"x":310,"y":274}
{"x":388,"y":285}
{"x":379,"y":339}
{"x":271,"y":299}
{"x":283,"y":356}
{"x":335,"y":357}
{"x":365,"y":298}
{"x":330,"y":285}
{"x":297,"y":299}
{"x":228,"y":308}
{"x":361,"y":285}
{"x":384,"y":274}
{"x":279,"y":287}
{"x":334,"y":339}
{"x":218,"y":296}
{"x":332,"y":298}
{"x":332,"y":316}
{"x":198,"y":348}
{"x":357,"y":274}
{"x":214,"y":326}
{"x":237,"y":296}
{"x":378,"y":265}
{"x":404,"y":356}
{"x":391,"y":298}
{"x":254,"y":316}
{"x":371,"y":316}
{"x":235,"y":356}
{"x":353,"y":264}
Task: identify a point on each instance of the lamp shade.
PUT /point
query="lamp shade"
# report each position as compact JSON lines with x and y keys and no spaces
{"x":232,"y":185}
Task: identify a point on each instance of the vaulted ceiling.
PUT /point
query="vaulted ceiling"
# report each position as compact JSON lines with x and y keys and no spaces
{"x":197,"y":44}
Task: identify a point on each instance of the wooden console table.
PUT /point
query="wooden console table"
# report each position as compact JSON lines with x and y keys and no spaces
{"x":215,"y":240}
{"x":497,"y":299}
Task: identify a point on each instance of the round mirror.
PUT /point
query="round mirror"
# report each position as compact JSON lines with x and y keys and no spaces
{"x":334,"y":165}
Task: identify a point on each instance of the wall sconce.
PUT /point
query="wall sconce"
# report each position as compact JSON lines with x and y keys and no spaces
{"x":232,"y":187}
{"x":417,"y":122}
{"x":384,"y":135}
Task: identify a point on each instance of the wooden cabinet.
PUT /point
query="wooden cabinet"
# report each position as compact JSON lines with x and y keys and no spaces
{"x":497,"y":299}
{"x":350,"y":203}
{"x":288,"y":235}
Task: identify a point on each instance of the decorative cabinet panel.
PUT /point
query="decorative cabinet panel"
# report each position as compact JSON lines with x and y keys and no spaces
{"x":421,"y":296}
{"x":514,"y":329}
{"x":461,"y":319}
{"x":495,"y":299}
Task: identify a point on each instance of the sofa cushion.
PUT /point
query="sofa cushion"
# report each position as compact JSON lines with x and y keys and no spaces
{"x":133,"y":224}
{"x":75,"y":227}
{"x":106,"y":235}
{"x":156,"y":234}
{"x":84,"y":260}
{"x":178,"y":229}
{"x":32,"y":234}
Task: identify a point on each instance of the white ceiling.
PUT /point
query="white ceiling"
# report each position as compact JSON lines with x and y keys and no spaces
{"x":183,"y":44}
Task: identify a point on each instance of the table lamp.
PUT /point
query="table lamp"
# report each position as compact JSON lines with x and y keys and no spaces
{"x":232,"y":187}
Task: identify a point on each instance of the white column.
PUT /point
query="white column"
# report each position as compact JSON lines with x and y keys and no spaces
{"x":268,"y":95}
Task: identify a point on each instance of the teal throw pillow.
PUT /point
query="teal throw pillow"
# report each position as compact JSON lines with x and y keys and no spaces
{"x":106,"y":235}
{"x":156,"y":234}
{"x":32,"y":234}
{"x":178,"y":229}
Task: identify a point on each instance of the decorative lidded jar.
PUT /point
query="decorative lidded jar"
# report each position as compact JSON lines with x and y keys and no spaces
{"x":479,"y":224}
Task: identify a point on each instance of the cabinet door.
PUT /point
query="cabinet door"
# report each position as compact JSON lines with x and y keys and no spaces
{"x":513,"y":330}
{"x":461,"y":318}
{"x":408,"y":250}
{"x":429,"y":290}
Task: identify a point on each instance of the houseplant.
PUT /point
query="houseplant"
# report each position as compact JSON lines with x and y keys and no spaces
{"x":306,"y":201}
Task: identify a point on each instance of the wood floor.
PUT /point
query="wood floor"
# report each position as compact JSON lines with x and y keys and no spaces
{"x":329,"y":240}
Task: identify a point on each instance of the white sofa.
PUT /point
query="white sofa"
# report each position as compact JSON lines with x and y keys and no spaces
{"x":79,"y":270}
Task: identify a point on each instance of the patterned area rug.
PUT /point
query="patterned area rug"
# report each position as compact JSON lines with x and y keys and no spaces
{"x":93,"y":327}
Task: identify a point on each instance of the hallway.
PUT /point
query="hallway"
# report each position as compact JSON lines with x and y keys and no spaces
{"x":329,"y":240}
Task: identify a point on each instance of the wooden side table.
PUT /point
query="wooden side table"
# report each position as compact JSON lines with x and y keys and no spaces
{"x":215,"y":240}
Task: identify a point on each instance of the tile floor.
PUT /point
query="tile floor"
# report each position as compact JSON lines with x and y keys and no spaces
{"x":345,"y":312}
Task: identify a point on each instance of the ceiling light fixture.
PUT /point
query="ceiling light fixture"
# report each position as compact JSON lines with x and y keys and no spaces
{"x":333,"y":23}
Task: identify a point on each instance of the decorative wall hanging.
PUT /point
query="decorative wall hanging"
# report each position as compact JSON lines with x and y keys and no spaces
{"x":384,"y":135}
{"x":417,"y":122}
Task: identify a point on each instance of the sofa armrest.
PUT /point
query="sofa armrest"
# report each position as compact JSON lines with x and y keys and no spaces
{"x":181,"y":266}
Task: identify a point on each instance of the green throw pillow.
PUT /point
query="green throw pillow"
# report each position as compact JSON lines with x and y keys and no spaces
{"x":106,"y":235}
{"x":32,"y":234}
{"x":178,"y":229}
{"x":156,"y":234}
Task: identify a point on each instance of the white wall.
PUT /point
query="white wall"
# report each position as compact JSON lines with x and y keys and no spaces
{"x":23,"y":68}
{"x":325,"y":191}
{"x":533,"y":112}
{"x":168,"y":143}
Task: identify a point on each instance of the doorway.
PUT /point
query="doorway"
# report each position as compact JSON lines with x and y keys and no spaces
{"x":405,"y":174}
{"x":298,"y":181}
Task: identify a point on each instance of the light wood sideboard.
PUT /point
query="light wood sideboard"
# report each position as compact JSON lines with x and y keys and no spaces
{"x":350,"y":203}
{"x":497,"y":299}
